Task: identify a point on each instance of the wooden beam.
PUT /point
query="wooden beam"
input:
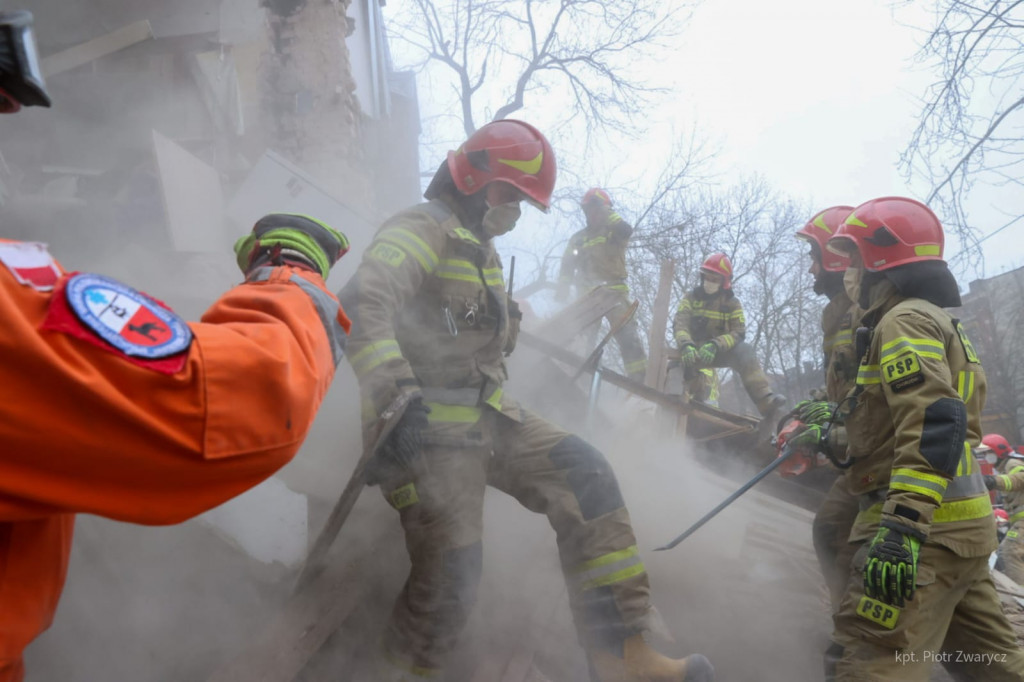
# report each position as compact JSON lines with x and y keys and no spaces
{"x":656,"y":358}
{"x":76,"y":56}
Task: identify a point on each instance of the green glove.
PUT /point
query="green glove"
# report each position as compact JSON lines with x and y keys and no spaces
{"x":707,"y":353}
{"x":812,"y":436}
{"x":814,"y":411}
{"x":688,"y":355}
{"x":293,"y":239}
{"x":890,"y":572}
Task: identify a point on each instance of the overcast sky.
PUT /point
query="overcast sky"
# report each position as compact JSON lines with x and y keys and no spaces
{"x":818,"y":96}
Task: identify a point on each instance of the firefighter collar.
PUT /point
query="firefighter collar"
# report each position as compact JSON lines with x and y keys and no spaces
{"x":132,"y":322}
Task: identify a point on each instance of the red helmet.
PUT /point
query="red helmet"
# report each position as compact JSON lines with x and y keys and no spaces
{"x":999,"y":445}
{"x":820,"y":229}
{"x":1001,"y":515}
{"x":890,"y":231}
{"x":598,"y":196}
{"x":719,"y":264}
{"x":506,"y":151}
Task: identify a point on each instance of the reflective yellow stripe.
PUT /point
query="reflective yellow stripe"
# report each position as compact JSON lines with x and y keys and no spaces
{"x":458,"y":269}
{"x":844,"y":337}
{"x":869,"y":374}
{"x":685,"y":305}
{"x":608,"y":569}
{"x":1007,"y":481}
{"x":453,"y":414}
{"x":1017,"y":516}
{"x":918,"y":482}
{"x":412,"y":244}
{"x":730,"y":341}
{"x":682,"y":334}
{"x":949,"y":512}
{"x":966,"y":464}
{"x":616,"y":577}
{"x":965,"y":385}
{"x":374,"y":355}
{"x":606,"y":559}
{"x":711,"y":314}
{"x":1015,"y":469}
{"x":596,"y":241}
{"x":466,"y":235}
{"x":737,"y":315}
{"x":926,"y":348}
{"x":494,"y":400}
{"x":493,"y":278}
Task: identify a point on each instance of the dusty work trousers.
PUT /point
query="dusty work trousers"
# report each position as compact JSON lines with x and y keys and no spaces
{"x":831,"y":532}
{"x":742,"y":359}
{"x":550,"y":472}
{"x":955,"y":619}
{"x":634,"y":358}
{"x":1011,"y":553}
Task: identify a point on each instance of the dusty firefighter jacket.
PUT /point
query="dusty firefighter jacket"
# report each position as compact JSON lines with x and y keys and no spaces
{"x":1010,"y":482}
{"x":701,"y":318}
{"x":837,"y":324}
{"x":597,"y":254}
{"x":431,"y":315}
{"x":920,"y":392}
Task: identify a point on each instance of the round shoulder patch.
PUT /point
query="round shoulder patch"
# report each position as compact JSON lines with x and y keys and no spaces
{"x":126,"y":318}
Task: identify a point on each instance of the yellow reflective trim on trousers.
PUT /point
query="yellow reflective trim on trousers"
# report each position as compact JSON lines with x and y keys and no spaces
{"x":374,"y":355}
{"x":917,"y":482}
{"x":869,"y":374}
{"x":949,"y":512}
{"x":412,"y":244}
{"x":613,"y":578}
{"x":926,"y":348}
{"x":453,"y":414}
{"x":606,"y":559}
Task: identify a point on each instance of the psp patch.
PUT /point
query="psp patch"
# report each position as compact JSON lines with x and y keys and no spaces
{"x":878,"y":612}
{"x":903,"y":372}
{"x":127,"y":319}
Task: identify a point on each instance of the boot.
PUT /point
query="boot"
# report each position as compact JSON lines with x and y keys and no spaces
{"x":641,"y":663}
{"x":770,"y":405}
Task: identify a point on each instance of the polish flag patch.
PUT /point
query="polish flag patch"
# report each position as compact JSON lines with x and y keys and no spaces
{"x":114,"y":316}
{"x":31,"y":264}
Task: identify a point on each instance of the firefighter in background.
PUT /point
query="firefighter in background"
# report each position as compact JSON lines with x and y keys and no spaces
{"x":113,"y":405}
{"x":709,"y":328}
{"x":1009,"y":481}
{"x":919,"y":581}
{"x":431,"y":317}
{"x":596,"y":257}
{"x":834,"y":519}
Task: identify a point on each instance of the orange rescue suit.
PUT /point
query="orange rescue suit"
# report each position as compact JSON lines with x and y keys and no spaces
{"x":82,"y":429}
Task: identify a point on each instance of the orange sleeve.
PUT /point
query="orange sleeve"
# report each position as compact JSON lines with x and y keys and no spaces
{"x":84,"y":430}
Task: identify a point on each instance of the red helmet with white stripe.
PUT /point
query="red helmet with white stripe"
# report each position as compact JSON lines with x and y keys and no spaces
{"x":999,"y":445}
{"x":596,"y":195}
{"x":506,"y":151}
{"x":719,"y":264}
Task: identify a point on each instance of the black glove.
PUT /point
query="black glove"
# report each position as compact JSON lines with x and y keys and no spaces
{"x":890,"y":572}
{"x":990,"y":482}
{"x":402,"y":446}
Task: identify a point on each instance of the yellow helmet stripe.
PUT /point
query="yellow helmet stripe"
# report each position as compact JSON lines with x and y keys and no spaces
{"x":531,"y":167}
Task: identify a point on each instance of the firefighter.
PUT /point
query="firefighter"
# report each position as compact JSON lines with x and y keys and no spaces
{"x":113,"y":405}
{"x":596,"y":257}
{"x":834,"y":519}
{"x":709,"y":327}
{"x":1010,"y":483}
{"x":919,"y":586}
{"x":431,"y":317}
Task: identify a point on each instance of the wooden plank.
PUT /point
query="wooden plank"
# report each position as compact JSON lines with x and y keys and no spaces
{"x":657,"y":355}
{"x":578,"y":315}
{"x":76,"y":56}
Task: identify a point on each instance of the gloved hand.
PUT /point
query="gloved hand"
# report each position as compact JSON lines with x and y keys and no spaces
{"x":292,"y":239}
{"x":890,"y":572}
{"x":707,"y":353}
{"x":405,"y":443}
{"x":812,"y":436}
{"x":688,"y":355}
{"x":991,"y":483}
{"x":814,"y":411}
